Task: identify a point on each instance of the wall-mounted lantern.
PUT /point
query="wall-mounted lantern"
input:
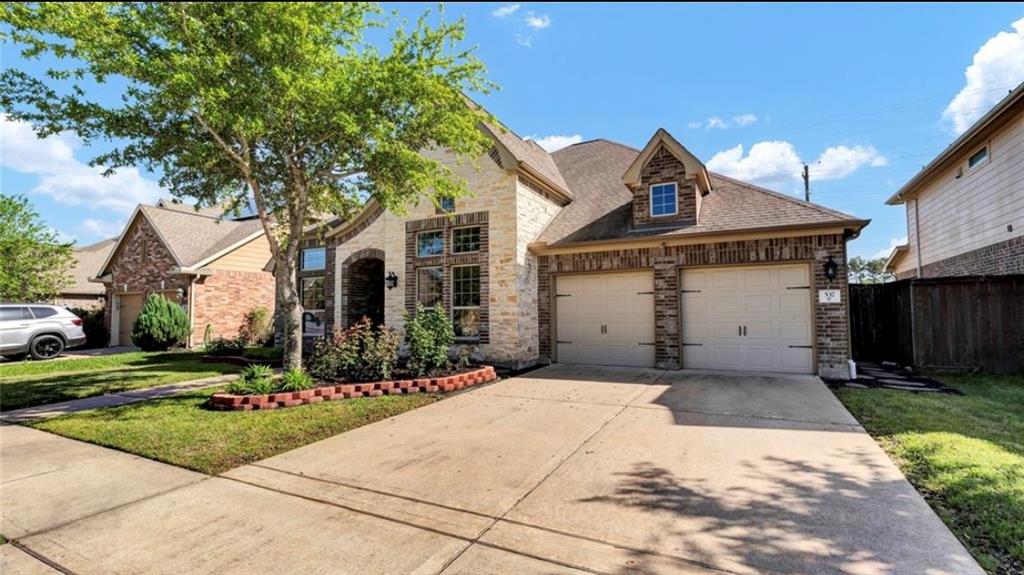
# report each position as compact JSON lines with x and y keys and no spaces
{"x":391,"y":281}
{"x":181,"y":294}
{"x":831,"y":267}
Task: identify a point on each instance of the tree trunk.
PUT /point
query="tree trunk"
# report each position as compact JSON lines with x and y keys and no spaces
{"x":289,"y":312}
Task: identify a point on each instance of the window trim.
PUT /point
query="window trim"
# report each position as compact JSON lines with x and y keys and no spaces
{"x":988,"y":157}
{"x":434,"y":231}
{"x":675,"y":199}
{"x":479,"y":233}
{"x":302,"y":259}
{"x":416,"y":295}
{"x":478,"y":306}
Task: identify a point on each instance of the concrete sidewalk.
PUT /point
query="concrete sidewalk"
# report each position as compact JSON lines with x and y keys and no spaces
{"x":563,"y":470}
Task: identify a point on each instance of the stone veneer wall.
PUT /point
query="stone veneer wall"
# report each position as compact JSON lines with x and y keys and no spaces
{"x":661,"y":168}
{"x":832,"y":345}
{"x":1003,"y":258}
{"x":221,"y":300}
{"x":142,"y":264}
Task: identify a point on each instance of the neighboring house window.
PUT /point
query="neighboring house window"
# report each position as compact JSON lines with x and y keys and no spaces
{"x":430,"y":244}
{"x":978,"y":157}
{"x":311,"y":292}
{"x":663,"y":200}
{"x":314,"y":258}
{"x":448,"y":205}
{"x":466,"y":240}
{"x":466,"y":301}
{"x":429,"y":285}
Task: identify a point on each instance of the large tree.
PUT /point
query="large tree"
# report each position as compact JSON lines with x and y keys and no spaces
{"x":34,"y":264}
{"x":868,"y":271}
{"x":286,"y":107}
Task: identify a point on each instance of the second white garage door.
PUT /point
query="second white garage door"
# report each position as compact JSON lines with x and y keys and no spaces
{"x":606,"y":319}
{"x":755,"y":318}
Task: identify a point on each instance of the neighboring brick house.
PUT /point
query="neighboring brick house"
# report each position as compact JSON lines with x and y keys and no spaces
{"x":214,"y":266}
{"x":82,"y":293}
{"x":965,"y":209}
{"x":601,"y":253}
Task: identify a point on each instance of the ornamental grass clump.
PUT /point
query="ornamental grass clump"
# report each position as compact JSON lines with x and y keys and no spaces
{"x":254,"y":380}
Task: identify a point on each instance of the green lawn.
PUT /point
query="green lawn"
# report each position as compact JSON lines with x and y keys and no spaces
{"x":965,"y":454}
{"x":179,"y":430}
{"x":28,"y":383}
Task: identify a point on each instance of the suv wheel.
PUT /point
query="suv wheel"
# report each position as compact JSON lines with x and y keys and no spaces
{"x":46,"y":347}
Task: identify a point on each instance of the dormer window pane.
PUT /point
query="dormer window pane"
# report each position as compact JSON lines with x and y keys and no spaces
{"x":663,"y":200}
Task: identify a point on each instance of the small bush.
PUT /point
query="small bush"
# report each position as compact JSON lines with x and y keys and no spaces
{"x":257,"y":327}
{"x":94,"y":326}
{"x":295,"y":379}
{"x":359,"y":353}
{"x":263,"y":353}
{"x":254,"y":380}
{"x":430,"y":334}
{"x":161,"y":324}
{"x":224,"y":346}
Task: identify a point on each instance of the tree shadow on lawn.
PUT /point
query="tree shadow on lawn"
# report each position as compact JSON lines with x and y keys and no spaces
{"x":148,"y":371}
{"x":788,"y":516}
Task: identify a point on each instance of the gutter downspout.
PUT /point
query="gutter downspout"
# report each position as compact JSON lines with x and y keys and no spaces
{"x":191,"y":310}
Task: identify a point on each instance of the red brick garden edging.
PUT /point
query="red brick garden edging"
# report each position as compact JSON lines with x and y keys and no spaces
{"x":227,"y":401}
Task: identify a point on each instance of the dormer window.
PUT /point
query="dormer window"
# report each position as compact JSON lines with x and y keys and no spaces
{"x":664,"y":198}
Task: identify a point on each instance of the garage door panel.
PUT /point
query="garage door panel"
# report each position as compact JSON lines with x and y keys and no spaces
{"x":623,"y":303}
{"x":757,"y":298}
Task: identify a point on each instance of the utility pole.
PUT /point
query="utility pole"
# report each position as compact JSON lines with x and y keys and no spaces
{"x":807,"y":184}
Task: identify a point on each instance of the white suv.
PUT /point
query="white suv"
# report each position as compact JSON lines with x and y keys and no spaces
{"x":44,"y":331}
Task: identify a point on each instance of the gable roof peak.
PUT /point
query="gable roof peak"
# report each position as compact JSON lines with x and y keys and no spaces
{"x":662,"y":138}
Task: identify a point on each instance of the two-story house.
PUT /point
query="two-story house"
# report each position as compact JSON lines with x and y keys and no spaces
{"x":604,"y":254}
{"x":965,"y":209}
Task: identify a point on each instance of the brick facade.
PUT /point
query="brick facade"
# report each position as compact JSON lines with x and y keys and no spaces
{"x":221,"y":301}
{"x":663,"y":167}
{"x":1003,"y":258}
{"x":831,"y":340}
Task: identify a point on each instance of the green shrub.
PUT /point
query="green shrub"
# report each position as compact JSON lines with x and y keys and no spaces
{"x":94,"y":325}
{"x":359,"y":353}
{"x":254,"y":380}
{"x":295,"y":379}
{"x":224,"y":346}
{"x":257,"y":327}
{"x":160,"y":325}
{"x":430,"y":334}
{"x":263,"y":353}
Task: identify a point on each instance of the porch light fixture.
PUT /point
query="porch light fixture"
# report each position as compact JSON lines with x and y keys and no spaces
{"x":391,"y":281}
{"x":181,"y":293}
{"x":831,"y":267}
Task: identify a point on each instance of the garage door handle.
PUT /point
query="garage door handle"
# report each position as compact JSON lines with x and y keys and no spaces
{"x":643,"y":343}
{"x":644,"y":293}
{"x":563,"y":341}
{"x":693,"y":344}
{"x":744,"y":331}
{"x":798,"y":287}
{"x":800,"y":347}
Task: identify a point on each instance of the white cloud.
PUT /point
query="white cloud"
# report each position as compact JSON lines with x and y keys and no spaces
{"x":744,"y":120}
{"x":63,"y":238}
{"x":695,"y":125}
{"x":524,"y":40}
{"x":717,"y":122}
{"x":504,"y":11}
{"x":537,"y":21}
{"x":101,"y":228}
{"x":998,"y":66}
{"x":555,"y":141}
{"x":65,"y":179}
{"x":884,"y":252}
{"x":777,"y":162}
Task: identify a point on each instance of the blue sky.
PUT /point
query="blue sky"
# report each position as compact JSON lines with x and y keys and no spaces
{"x":865,"y":94}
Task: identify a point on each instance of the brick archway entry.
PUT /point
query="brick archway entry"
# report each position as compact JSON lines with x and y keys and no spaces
{"x":363,"y":286}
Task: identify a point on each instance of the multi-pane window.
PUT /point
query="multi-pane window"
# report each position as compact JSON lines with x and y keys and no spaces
{"x":466,"y":300}
{"x":429,"y":244}
{"x":429,"y":284}
{"x":311,"y":292}
{"x":977,"y":157}
{"x":466,"y":240}
{"x":447,"y":205}
{"x":314,"y":259}
{"x":663,"y":199}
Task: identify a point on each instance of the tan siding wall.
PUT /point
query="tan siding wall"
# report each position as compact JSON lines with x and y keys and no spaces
{"x":533,"y":214}
{"x":251,"y":257}
{"x":961,"y":215}
{"x":909,"y":262}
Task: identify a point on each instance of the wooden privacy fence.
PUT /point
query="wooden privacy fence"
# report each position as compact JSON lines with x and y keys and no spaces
{"x":944,"y":323}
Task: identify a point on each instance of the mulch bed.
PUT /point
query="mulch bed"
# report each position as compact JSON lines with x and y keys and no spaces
{"x":331,"y":391}
{"x":891,"y":376}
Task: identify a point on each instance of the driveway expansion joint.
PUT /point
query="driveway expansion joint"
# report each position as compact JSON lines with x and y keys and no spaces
{"x":41,"y":558}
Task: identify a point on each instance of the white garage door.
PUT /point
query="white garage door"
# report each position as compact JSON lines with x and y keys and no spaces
{"x":747,"y":318}
{"x":606,"y":319}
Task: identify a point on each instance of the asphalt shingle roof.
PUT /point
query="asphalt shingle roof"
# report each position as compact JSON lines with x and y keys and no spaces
{"x":193,"y":237}
{"x":88,"y":260}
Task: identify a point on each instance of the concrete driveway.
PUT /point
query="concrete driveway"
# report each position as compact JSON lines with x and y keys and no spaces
{"x":563,"y":470}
